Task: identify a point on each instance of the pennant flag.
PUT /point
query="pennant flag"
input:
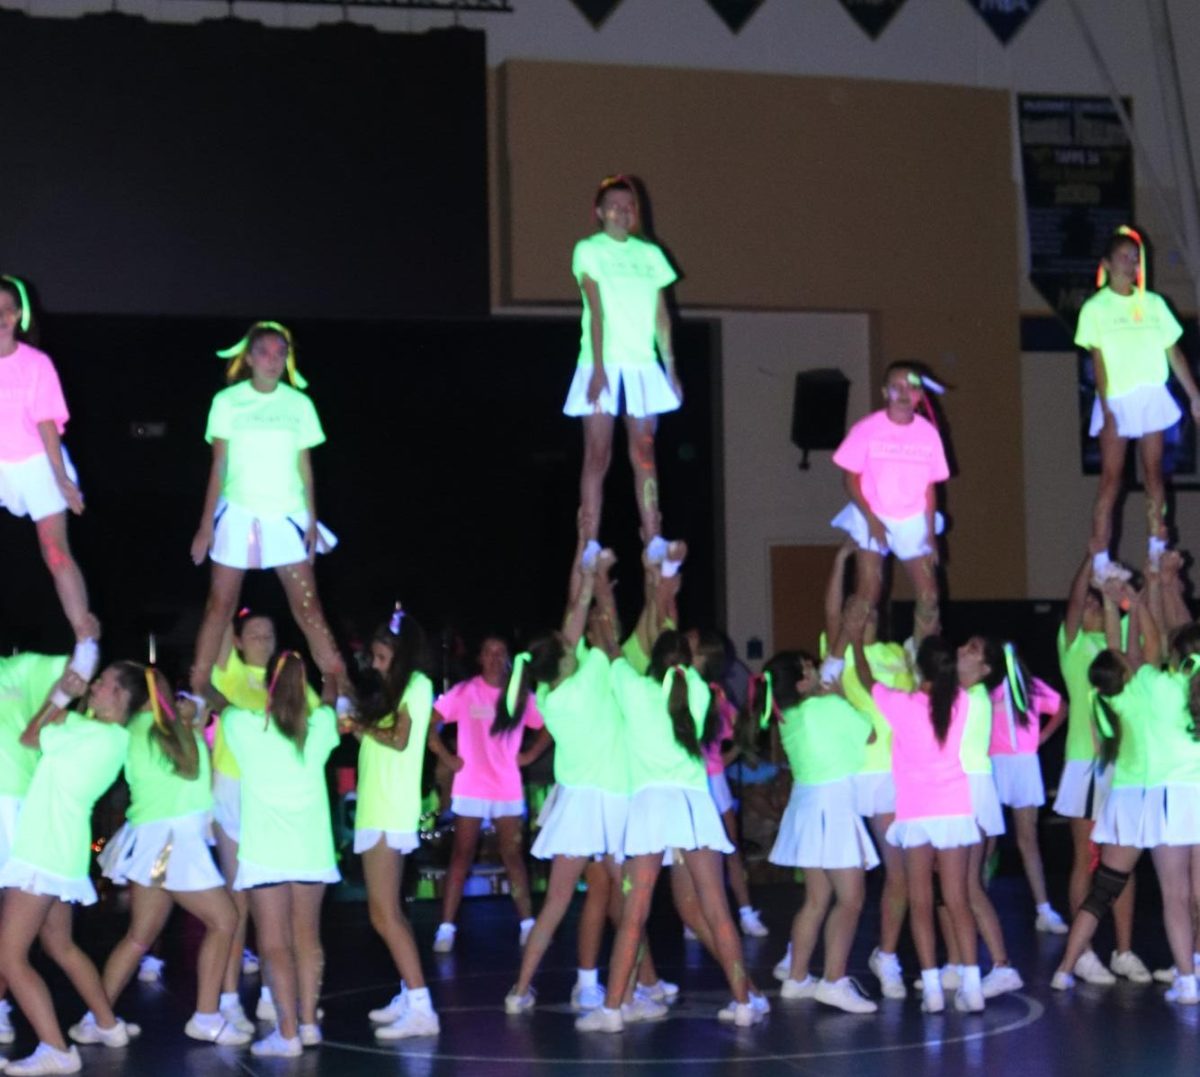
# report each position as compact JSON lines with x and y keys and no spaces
{"x":1004,"y":17}
{"x":872,"y":15}
{"x":596,"y":11}
{"x":735,"y":13}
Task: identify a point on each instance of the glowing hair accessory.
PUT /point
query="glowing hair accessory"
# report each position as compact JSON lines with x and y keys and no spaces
{"x":159,"y":707}
{"x":397,"y":619}
{"x":280,"y":662}
{"x":237,"y":353}
{"x":1130,"y":233}
{"x":668,"y":681}
{"x":26,"y":309}
{"x":1014,"y":691}
{"x":1189,"y":665}
{"x":514,"y":682}
{"x":764,"y":682}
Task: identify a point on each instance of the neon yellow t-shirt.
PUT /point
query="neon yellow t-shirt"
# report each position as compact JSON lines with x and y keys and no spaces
{"x":389,"y":781}
{"x":889,"y":666}
{"x":630,"y":275}
{"x":1174,"y":754}
{"x":81,"y":758}
{"x":245,"y":687}
{"x":974,"y":752}
{"x":25,"y":682}
{"x":155,"y":790}
{"x":285,"y":803}
{"x":587,"y":726}
{"x":266,"y":432}
{"x":1074,"y":660}
{"x":824,"y":738}
{"x":655,"y":756}
{"x":1133,"y":333}
{"x":1134,"y":707}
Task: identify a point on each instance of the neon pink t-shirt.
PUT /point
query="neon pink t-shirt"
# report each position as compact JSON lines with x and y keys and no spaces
{"x":897,"y":463}
{"x":490,"y":770}
{"x":929,"y":777}
{"x":30,"y":393}
{"x":726,"y":713}
{"x":1042,"y":700}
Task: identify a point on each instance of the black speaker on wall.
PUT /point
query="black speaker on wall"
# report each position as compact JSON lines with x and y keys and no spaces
{"x":819,"y":411}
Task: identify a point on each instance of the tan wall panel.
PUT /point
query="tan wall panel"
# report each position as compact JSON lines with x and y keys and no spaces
{"x":798,"y":577}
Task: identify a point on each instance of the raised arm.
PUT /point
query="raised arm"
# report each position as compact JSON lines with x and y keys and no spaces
{"x":1076,"y":598}
{"x":835,"y":592}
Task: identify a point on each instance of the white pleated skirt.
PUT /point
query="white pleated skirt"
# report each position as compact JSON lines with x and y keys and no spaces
{"x":665,"y":817}
{"x":251,"y":875}
{"x":985,"y":802}
{"x":821,"y":828}
{"x":718,"y":786}
{"x":402,"y":841}
{"x":173,"y":854}
{"x":581,"y":822}
{"x":1122,"y":818}
{"x":227,"y":804}
{"x":480,"y":808}
{"x":10,"y":810}
{"x":1082,"y":779}
{"x":940,"y":831}
{"x":1171,"y":815}
{"x":1144,"y":410}
{"x":875,"y":794}
{"x":21,"y":875}
{"x":1019,"y":780}
{"x":242,"y":539}
{"x":645,"y":387}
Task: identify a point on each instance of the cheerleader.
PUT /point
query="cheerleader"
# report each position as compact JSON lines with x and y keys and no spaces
{"x":26,"y":682}
{"x":1018,"y":704}
{"x":51,"y":851}
{"x":1133,"y":339}
{"x":1083,"y":784}
{"x":1124,"y":716}
{"x":260,"y":506}
{"x":821,"y":831}
{"x":935,"y":822}
{"x":392,"y":729}
{"x":285,"y":856}
{"x":162,"y":853}
{"x":668,"y":714}
{"x":623,"y":279}
{"x":37,"y":478}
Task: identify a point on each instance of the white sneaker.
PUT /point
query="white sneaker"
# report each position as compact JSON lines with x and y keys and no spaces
{"x":7,"y":1034}
{"x":150,"y":969}
{"x":393,"y":1011}
{"x":310,"y":1035}
{"x":783,"y":969}
{"x":1062,"y":981}
{"x":1165,"y":976}
{"x":752,"y":925}
{"x":1001,"y":980}
{"x":46,"y":1059}
{"x":662,"y":991}
{"x":587,"y":998}
{"x":1184,"y":991}
{"x":275,"y":1046}
{"x":234,"y":1015}
{"x":1051,"y":923}
{"x":601,"y":1020}
{"x":887,"y":970}
{"x":514,"y":1003}
{"x":950,"y":977}
{"x":727,"y":1014}
{"x":264,"y":1009}
{"x":526,"y":930}
{"x":1130,"y":966}
{"x":746,"y":1014}
{"x":413,"y":1022}
{"x":793,"y":989}
{"x":443,"y":941}
{"x":222,"y":1033}
{"x":933,"y":1000}
{"x":1090,"y":969}
{"x":642,"y":1009}
{"x":760,"y":1002}
{"x":843,"y":994}
{"x":250,"y":962}
{"x":969,"y":1000}
{"x":656,"y":550}
{"x":87,"y":1031}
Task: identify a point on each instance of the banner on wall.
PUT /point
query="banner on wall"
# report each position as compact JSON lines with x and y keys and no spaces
{"x":735,"y":13}
{"x":872,"y":15}
{"x":596,"y":11}
{"x":1004,"y":17}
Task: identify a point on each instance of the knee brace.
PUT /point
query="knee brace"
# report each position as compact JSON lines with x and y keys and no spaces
{"x":1107,"y":885}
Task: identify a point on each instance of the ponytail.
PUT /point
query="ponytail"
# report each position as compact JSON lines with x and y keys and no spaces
{"x":675,"y":688}
{"x":510,"y":707}
{"x":174,"y":737}
{"x":287,"y":698}
{"x":1108,"y":676}
{"x":937,"y":665}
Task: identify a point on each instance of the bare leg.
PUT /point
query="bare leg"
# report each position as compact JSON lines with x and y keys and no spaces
{"x":1150,"y":447}
{"x":271,"y":907}
{"x":462,"y":856}
{"x":227,"y":851}
{"x":1025,"y":825}
{"x":594,"y":914}
{"x":564,"y":874}
{"x":219,"y":917}
{"x":24,"y":915}
{"x":512,"y":841}
{"x":1172,"y":864}
{"x":923,"y":573}
{"x":224,"y":590}
{"x":918,"y":873}
{"x":647,"y":973}
{"x":893,"y":902}
{"x":64,"y":570}
{"x":1123,"y":915}
{"x":383,"y":870}
{"x":868,"y":587}
{"x":953,"y":869}
{"x":705,"y":868}
{"x":640,"y":433}
{"x":735,"y":869}
{"x":641,"y":873}
{"x":1081,"y":862}
{"x":310,"y":955}
{"x":1112,"y":465}
{"x":300,"y":585}
{"x":150,"y":909}
{"x":1083,"y":924}
{"x":806,"y":925}
{"x":597,"y":455}
{"x":982,"y":911}
{"x":850,"y":891}
{"x":60,"y":947}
